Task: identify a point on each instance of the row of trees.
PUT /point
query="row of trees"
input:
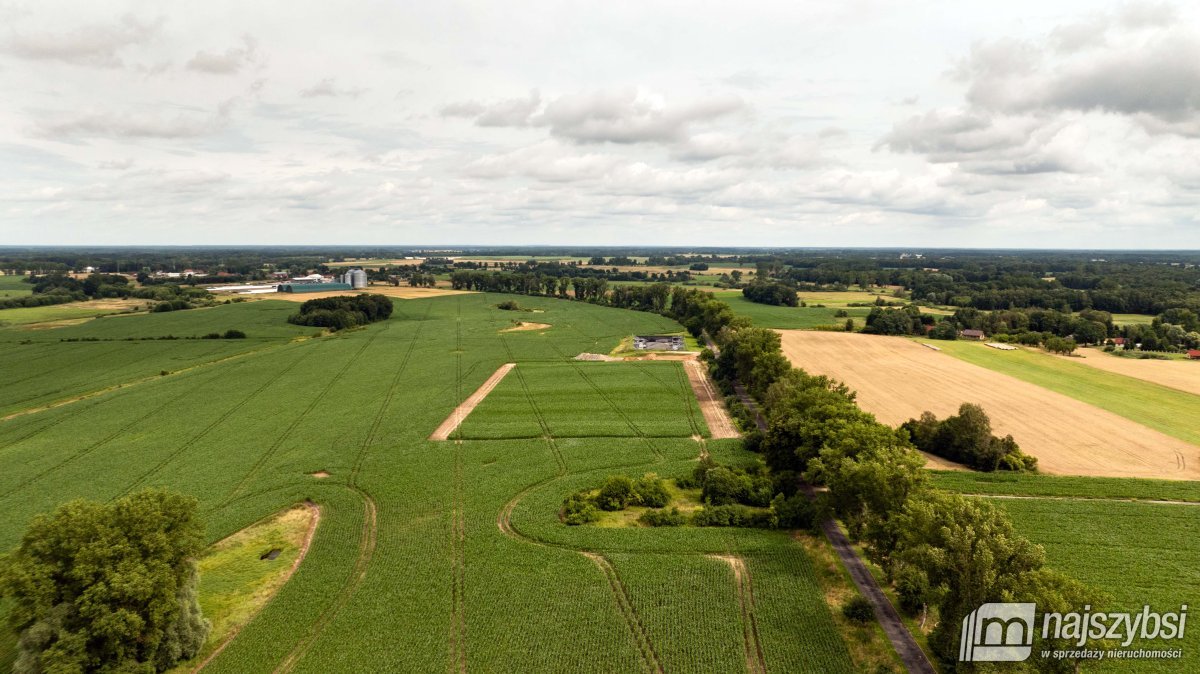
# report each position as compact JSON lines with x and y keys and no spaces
{"x":774,"y":293}
{"x":967,"y":438}
{"x":945,"y":554}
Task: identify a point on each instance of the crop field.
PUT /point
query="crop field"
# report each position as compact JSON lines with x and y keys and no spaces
{"x":898,"y":379}
{"x":430,"y":555}
{"x":1182,"y":375}
{"x":56,"y":313}
{"x":14,"y":286}
{"x":1137,"y":553}
{"x":1167,"y":410}
{"x":793,"y":318}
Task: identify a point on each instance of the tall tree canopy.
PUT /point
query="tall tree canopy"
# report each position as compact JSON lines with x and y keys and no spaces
{"x":107,"y":587}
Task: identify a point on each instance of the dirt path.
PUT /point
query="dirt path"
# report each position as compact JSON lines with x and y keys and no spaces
{"x":460,"y":413}
{"x":711,"y":404}
{"x":897,"y":379}
{"x":756,"y":662}
{"x":308,"y":538}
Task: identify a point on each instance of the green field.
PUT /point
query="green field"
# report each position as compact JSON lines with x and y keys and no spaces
{"x":1033,"y":484}
{"x":794,"y":318}
{"x":1166,"y":410}
{"x":14,"y":286}
{"x":53,"y":312}
{"x":1137,"y":553}
{"x":1132,"y":319}
{"x":430,"y":555}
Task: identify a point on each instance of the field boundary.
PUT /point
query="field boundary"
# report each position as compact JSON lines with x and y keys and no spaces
{"x":460,"y":413}
{"x":720,"y":426}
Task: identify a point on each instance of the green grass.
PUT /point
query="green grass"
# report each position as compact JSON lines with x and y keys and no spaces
{"x":14,"y":286}
{"x":1132,"y":319}
{"x":54,"y":312}
{"x":791,"y":318}
{"x":409,"y":545}
{"x":1137,"y":553}
{"x":1167,"y":410}
{"x":1024,"y":484}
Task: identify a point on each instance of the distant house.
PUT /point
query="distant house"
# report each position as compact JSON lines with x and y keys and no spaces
{"x":658,"y":342}
{"x":976,"y":335}
{"x":1118,"y":342}
{"x":1194,"y":354}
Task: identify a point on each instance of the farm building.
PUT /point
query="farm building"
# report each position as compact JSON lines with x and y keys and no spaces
{"x":658,"y":342}
{"x":1194,"y":354}
{"x":355,"y":278}
{"x":1118,"y":342}
{"x":976,"y":335}
{"x":312,"y":287}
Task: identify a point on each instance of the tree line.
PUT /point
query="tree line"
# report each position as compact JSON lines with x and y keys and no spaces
{"x":346,"y":311}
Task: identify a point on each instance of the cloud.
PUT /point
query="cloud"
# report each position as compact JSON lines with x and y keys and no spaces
{"x":230,"y":62}
{"x":327,"y":88}
{"x":621,"y":116}
{"x":109,"y":124}
{"x":95,"y":45}
{"x":630,"y":116}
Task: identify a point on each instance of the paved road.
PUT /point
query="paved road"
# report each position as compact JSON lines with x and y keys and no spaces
{"x":910,"y":653}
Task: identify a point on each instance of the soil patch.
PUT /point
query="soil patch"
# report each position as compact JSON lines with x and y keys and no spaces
{"x":711,"y":404}
{"x":460,"y":413}
{"x":525,"y":326}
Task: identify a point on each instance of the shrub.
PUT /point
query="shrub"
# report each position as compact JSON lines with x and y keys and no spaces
{"x":651,"y":491}
{"x":733,"y":516}
{"x":858,"y":611}
{"x":212,"y":335}
{"x":509,"y":305}
{"x":616,"y":493}
{"x":234,"y":334}
{"x":794,"y":512}
{"x":663,"y":518}
{"x":578,"y":509}
{"x":723,"y":486}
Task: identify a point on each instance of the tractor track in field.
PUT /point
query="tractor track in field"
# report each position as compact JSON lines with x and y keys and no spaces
{"x":756,"y":661}
{"x":121,"y":386}
{"x":559,"y":459}
{"x":458,"y":521}
{"x":96,"y":445}
{"x":215,"y":423}
{"x":637,"y":630}
{"x":316,"y":400}
{"x":370,"y":530}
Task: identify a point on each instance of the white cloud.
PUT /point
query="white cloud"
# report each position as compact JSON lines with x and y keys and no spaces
{"x":229,"y":62}
{"x":95,"y":45}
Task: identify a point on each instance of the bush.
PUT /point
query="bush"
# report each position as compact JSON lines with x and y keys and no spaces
{"x":663,"y":518}
{"x":234,"y":334}
{"x":858,"y":611}
{"x":212,"y":335}
{"x":733,"y":516}
{"x":723,"y":486}
{"x":578,"y":509}
{"x":651,"y":491}
{"x":616,"y":493}
{"x":171,"y":305}
{"x":794,"y":512}
{"x":509,"y":305}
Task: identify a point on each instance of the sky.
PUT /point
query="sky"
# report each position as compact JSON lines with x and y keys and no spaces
{"x":796,"y":123}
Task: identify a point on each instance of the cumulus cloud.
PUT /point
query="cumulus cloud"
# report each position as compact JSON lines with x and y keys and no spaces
{"x":328,"y":88}
{"x":621,"y":116}
{"x":96,"y":45}
{"x":229,"y":62}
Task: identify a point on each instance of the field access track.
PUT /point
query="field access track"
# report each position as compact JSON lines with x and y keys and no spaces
{"x":898,"y":379}
{"x":460,"y":413}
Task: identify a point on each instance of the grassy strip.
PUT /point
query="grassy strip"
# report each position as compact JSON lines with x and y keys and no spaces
{"x":1164,"y":409}
{"x":1015,"y":484}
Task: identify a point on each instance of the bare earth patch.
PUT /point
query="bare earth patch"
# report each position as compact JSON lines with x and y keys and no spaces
{"x":460,"y":413}
{"x":897,"y":379}
{"x":711,"y":404}
{"x":320,"y":474}
{"x":525,"y":326}
{"x":1177,"y":374}
{"x":938,"y":463}
{"x":391,"y":291}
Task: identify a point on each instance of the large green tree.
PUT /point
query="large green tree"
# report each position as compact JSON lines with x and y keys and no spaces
{"x":107,"y":587}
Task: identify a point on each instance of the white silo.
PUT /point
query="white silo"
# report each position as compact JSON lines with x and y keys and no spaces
{"x":357,"y":278}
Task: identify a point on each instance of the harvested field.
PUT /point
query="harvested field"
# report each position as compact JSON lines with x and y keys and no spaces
{"x":897,"y":379}
{"x":460,"y":413}
{"x":1177,"y":374}
{"x":711,"y":405}
{"x":399,"y":292}
{"x":525,"y":326}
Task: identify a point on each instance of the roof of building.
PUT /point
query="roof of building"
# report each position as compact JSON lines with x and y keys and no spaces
{"x":972,"y":332}
{"x":1193,"y":353}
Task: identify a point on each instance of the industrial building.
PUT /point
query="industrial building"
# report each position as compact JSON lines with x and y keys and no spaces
{"x":355,"y":278}
{"x":312,"y":287}
{"x":658,"y":342}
